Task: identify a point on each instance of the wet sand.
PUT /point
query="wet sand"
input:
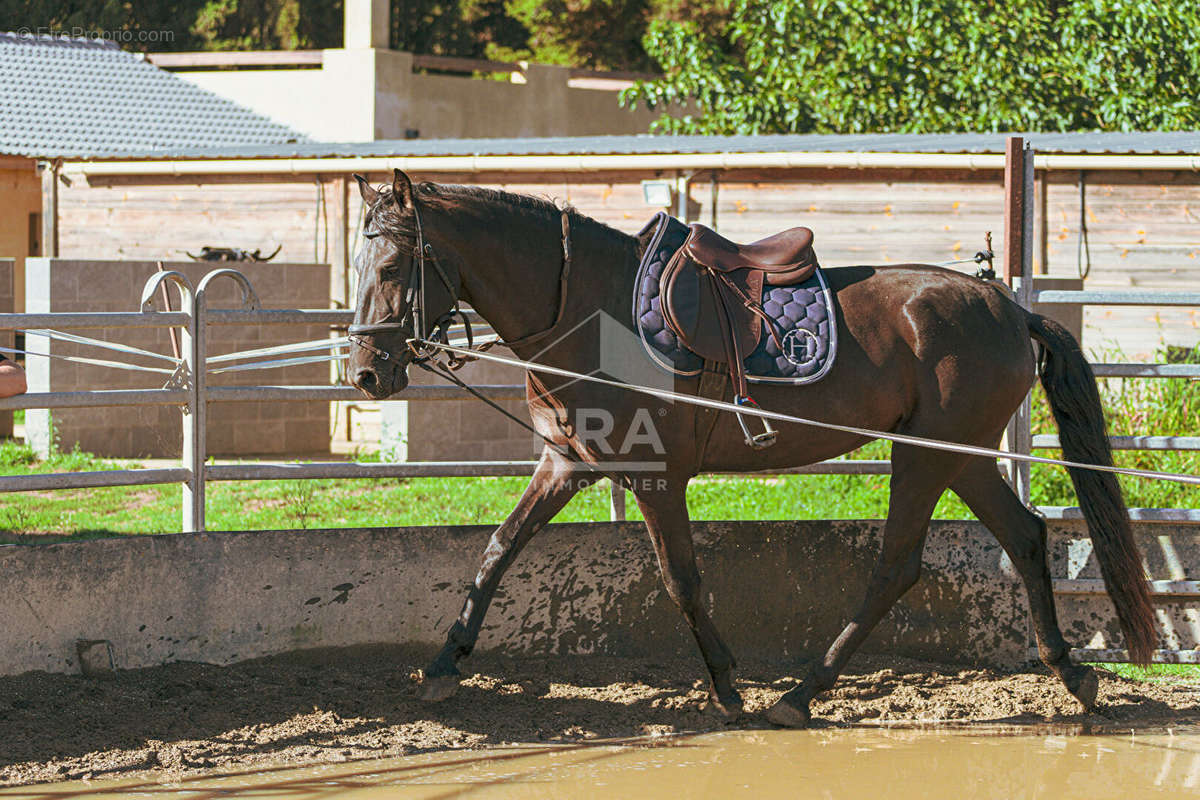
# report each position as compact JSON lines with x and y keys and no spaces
{"x":984,"y":761}
{"x":350,"y":704}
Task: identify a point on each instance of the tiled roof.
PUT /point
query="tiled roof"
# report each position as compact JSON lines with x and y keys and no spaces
{"x":1148,"y":143}
{"x":74,"y":97}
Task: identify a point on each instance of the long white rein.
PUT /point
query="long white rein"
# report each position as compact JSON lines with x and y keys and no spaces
{"x":919,"y":441}
{"x":454,"y":347}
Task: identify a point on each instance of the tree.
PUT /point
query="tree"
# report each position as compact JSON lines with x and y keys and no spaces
{"x":453,"y":27}
{"x":187,"y":24}
{"x":603,"y":34}
{"x":268,"y":24}
{"x":848,"y":66}
{"x":1136,"y":63}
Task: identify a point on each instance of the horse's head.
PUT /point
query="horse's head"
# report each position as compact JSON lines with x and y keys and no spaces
{"x":394,"y":280}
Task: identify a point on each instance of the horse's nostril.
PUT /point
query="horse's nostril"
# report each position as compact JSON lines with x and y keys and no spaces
{"x":365,"y":379}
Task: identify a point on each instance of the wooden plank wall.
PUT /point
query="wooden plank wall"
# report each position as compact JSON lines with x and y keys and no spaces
{"x":1144,"y":232}
{"x":146,"y":221}
{"x":1140,"y":235}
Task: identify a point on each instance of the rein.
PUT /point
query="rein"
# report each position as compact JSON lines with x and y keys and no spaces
{"x":755,"y":411}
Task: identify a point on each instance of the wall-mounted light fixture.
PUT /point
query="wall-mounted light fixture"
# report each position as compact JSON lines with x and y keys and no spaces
{"x":659,"y":193}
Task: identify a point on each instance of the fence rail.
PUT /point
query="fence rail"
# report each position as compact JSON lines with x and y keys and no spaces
{"x":196,"y":394}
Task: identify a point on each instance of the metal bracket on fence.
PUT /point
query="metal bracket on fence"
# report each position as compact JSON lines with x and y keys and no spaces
{"x":180,"y":379}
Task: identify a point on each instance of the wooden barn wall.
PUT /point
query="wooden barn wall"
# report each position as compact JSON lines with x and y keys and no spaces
{"x":149,"y":221}
{"x":1143,"y":232}
{"x":1144,"y":228}
{"x":20,"y":218}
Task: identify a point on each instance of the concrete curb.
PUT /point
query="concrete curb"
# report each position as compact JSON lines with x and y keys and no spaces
{"x":776,"y":589}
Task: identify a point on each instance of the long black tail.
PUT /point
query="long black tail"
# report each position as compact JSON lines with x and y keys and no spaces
{"x":1071,"y":388}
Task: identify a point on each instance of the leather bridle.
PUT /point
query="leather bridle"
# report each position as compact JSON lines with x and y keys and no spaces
{"x":415,"y":308}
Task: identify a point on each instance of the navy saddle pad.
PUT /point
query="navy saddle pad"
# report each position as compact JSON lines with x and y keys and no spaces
{"x":804,"y":313}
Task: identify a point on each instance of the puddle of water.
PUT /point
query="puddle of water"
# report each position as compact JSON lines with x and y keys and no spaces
{"x":859,"y":763}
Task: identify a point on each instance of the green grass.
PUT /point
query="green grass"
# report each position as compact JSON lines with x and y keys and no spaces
{"x":1155,"y":672}
{"x":1133,"y":406}
{"x":419,"y":501}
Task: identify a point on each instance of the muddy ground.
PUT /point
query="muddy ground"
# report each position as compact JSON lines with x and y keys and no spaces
{"x":338,"y":705}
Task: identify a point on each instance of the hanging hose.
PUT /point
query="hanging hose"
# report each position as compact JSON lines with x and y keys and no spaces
{"x":1083,"y":246}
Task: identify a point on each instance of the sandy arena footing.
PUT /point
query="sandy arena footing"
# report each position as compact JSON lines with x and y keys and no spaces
{"x":354,"y":703}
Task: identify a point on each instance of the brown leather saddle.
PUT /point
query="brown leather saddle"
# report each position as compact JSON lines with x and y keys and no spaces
{"x":712,"y":298}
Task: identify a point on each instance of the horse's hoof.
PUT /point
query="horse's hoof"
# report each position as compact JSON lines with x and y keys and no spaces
{"x":787,"y":715}
{"x":439,"y":688}
{"x":1086,"y":689}
{"x":728,"y":709}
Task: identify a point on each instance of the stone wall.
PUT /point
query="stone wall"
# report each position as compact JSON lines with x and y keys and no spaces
{"x":64,"y":285}
{"x":776,"y":590}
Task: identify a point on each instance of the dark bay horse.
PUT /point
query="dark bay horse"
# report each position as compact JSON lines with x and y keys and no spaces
{"x":922,"y":351}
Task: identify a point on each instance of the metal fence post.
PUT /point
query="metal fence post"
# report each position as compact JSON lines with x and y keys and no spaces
{"x":195,"y":420}
{"x":191,"y":346}
{"x":616,"y":502}
{"x":195,"y":427}
{"x":1018,"y":273}
{"x":683,"y":193}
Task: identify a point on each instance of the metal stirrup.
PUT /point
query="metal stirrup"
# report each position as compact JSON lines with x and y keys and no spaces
{"x":758,"y":441}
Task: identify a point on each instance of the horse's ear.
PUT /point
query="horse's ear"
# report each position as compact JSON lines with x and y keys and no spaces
{"x":369,"y":195}
{"x":402,"y":189}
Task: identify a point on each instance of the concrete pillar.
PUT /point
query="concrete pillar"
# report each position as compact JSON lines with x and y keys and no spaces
{"x":393,"y":101}
{"x":367,"y":24}
{"x":351,"y":76}
{"x":8,"y":269}
{"x":373,"y":92}
{"x":39,"y":433}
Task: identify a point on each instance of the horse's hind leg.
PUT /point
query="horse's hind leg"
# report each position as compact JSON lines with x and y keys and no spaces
{"x":1022,"y":534}
{"x":918,"y":479}
{"x":670,"y":531}
{"x":555,"y":481}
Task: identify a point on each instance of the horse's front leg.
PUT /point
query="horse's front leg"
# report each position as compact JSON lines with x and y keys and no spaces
{"x":666,"y":513}
{"x":555,"y":481}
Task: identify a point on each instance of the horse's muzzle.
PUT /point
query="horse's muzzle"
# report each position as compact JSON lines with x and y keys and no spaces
{"x":378,"y":384}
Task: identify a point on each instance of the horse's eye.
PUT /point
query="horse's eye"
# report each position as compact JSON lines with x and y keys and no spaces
{"x":372,"y":235}
{"x":391,"y":273}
